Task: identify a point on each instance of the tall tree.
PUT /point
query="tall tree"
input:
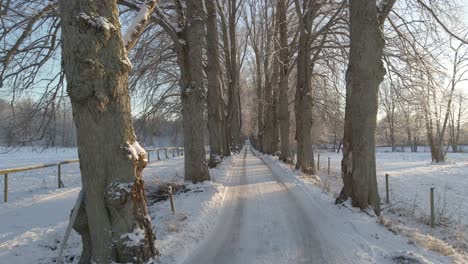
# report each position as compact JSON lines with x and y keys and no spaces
{"x":363,"y":77}
{"x":193,"y":92}
{"x":270,"y":72}
{"x":284,"y":58}
{"x":234,"y":113}
{"x":304,"y":93}
{"x":215,"y":100}
{"x":111,"y":160}
{"x":229,"y":17}
{"x":436,"y":135}
{"x":257,"y":42}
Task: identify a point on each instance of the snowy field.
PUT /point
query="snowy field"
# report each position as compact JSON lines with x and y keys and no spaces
{"x":33,"y":222}
{"x":411,"y":175}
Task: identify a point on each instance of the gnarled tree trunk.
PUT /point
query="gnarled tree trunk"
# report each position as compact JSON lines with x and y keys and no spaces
{"x":111,"y":160}
{"x":364,"y":75}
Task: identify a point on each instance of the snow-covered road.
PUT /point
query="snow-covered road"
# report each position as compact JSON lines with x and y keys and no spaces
{"x":265,"y":220}
{"x":255,"y":210}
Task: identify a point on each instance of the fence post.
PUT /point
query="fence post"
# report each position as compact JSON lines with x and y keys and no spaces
{"x":387,"y":198}
{"x":328,"y":165}
{"x":149,"y":155}
{"x":59,"y":175}
{"x":171,"y":198}
{"x":432,"y":207}
{"x":158,"y":155}
{"x":178,"y":151}
{"x":70,"y":225}
{"x":166,"y":154}
{"x":318,"y":162}
{"x":173,"y":152}
{"x":5,"y":188}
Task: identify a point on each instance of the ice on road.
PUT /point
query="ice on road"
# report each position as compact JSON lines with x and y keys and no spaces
{"x":264,"y":220}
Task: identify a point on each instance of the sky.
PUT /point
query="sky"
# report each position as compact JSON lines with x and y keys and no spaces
{"x":465,"y":6}
{"x":464,"y":87}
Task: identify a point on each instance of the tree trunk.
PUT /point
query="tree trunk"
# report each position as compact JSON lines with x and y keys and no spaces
{"x":267,"y":90}
{"x":234,"y":91}
{"x":392,"y":132}
{"x":347,"y":161}
{"x":111,"y":160}
{"x":260,"y":92}
{"x":270,"y":133}
{"x":270,"y":121}
{"x":225,"y":133}
{"x":193,"y":94}
{"x":366,"y":72}
{"x":215,"y":101}
{"x":304,"y":98}
{"x":283,"y":113}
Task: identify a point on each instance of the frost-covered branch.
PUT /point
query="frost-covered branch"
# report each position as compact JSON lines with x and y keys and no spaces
{"x":138,"y":24}
{"x":384,"y":8}
{"x":159,"y":18}
{"x":442,"y":24}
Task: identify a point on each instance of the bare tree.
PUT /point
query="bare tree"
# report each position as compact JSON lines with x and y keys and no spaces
{"x":363,"y":77}
{"x":284,"y":61}
{"x":185,"y":25}
{"x":456,"y":117}
{"x":215,"y":100}
{"x":257,"y":43}
{"x":229,"y":12}
{"x":314,"y":26}
{"x":111,"y":160}
{"x":270,"y":72}
{"x":193,"y":91}
{"x":388,"y":99}
{"x":437,"y":105}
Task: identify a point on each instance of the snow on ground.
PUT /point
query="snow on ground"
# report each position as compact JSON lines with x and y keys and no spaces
{"x":27,"y":186}
{"x":410,"y":177}
{"x":33,"y":222}
{"x":196,"y":211}
{"x":358,"y":235}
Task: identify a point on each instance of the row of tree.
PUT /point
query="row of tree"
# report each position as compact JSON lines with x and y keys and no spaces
{"x":418,"y":50}
{"x":321,"y":60}
{"x":27,"y":122}
{"x":101,"y":64}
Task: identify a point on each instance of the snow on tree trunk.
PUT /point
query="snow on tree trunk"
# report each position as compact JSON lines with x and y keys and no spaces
{"x":193,"y":94}
{"x":114,"y":221}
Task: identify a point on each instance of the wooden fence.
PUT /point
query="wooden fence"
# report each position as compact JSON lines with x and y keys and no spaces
{"x":175,"y":151}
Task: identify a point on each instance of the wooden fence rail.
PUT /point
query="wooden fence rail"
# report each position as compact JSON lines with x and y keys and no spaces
{"x":180,"y":152}
{"x":59,"y":164}
{"x":6,"y":172}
